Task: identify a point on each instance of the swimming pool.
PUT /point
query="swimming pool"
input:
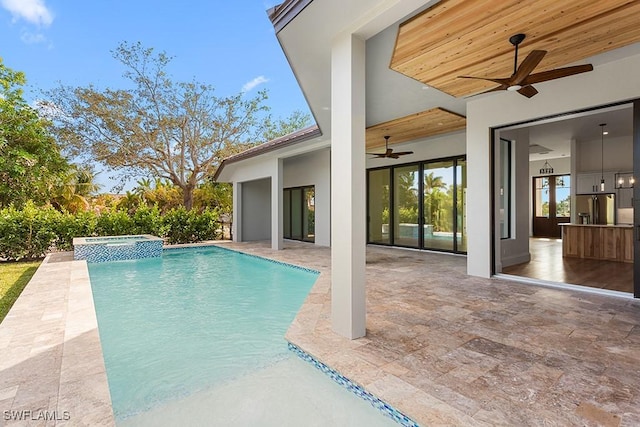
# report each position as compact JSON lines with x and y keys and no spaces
{"x":198,"y":325}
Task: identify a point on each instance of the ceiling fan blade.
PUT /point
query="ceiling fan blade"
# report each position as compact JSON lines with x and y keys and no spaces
{"x":557,"y":74}
{"x":393,"y":156}
{"x":504,"y":82}
{"x":528,"y":65}
{"x":402,"y":153}
{"x":527,"y":91}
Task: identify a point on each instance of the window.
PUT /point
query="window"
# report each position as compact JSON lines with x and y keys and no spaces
{"x":299,"y":213}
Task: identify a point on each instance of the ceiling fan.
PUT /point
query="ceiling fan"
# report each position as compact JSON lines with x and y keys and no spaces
{"x":522,"y":79}
{"x":388,"y":153}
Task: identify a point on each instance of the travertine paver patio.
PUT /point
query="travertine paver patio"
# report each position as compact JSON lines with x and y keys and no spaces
{"x":449,"y":349}
{"x":51,"y":366}
{"x":443,"y":347}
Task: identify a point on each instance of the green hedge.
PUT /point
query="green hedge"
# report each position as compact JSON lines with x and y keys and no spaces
{"x":33,"y":231}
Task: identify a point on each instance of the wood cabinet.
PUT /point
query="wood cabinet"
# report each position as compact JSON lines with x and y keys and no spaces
{"x":587,"y":183}
{"x":591,"y":241}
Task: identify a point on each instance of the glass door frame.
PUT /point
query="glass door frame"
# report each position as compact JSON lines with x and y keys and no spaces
{"x":303,"y":189}
{"x":456,"y":160}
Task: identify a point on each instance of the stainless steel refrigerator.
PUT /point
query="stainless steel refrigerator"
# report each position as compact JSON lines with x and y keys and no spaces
{"x":596,"y":208}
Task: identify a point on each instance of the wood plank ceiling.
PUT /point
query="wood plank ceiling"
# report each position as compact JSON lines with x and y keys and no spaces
{"x":427,"y":123}
{"x":471,"y":37}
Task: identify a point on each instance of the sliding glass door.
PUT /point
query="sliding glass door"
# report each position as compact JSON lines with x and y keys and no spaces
{"x":378,"y":205}
{"x":299,"y":213}
{"x":424,"y":202}
{"x":405,"y":206}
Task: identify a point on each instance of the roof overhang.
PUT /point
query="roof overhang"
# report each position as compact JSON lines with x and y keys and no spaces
{"x":281,"y":143}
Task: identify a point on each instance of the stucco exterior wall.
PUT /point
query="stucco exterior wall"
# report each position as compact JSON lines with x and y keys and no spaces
{"x":313,"y":169}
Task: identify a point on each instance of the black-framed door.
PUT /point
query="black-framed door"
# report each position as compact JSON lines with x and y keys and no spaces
{"x":418,"y":205}
{"x":551,"y":204}
{"x":299,"y":213}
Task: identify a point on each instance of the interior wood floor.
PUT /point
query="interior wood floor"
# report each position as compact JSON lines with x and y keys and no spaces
{"x":547,"y":263}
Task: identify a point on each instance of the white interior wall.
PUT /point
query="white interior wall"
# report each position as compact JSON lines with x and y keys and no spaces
{"x":608,"y":83}
{"x":515,"y":249}
{"x":313,"y":169}
{"x":618,"y":155}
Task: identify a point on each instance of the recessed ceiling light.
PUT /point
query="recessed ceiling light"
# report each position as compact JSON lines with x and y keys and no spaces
{"x":606,"y":132}
{"x":425,"y":87}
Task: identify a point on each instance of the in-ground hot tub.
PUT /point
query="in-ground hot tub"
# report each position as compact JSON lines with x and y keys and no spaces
{"x":116,"y":248}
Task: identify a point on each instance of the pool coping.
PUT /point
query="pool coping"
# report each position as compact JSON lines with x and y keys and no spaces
{"x":52,"y":370}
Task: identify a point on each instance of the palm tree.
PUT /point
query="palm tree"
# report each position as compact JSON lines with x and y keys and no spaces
{"x":433,"y":199}
{"x":73,"y":191}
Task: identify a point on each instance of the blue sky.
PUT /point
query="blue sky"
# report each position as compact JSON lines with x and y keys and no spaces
{"x":228,"y":44}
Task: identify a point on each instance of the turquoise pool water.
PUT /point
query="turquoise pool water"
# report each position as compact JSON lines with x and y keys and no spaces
{"x":194,"y":318}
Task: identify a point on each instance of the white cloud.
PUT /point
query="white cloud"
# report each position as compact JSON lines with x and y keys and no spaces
{"x":34,"y":11}
{"x":31,"y":38}
{"x":253,"y":83}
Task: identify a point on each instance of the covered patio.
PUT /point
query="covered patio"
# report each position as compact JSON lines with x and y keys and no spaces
{"x":446,"y":348}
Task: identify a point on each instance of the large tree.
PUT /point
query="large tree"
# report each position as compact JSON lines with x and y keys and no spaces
{"x":178,"y":131}
{"x":29,"y":156}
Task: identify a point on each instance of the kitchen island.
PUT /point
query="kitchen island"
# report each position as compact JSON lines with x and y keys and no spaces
{"x":595,"y":241}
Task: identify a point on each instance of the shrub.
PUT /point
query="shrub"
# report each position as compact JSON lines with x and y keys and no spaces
{"x":114,"y":222}
{"x":33,"y":231}
{"x":70,"y":225}
{"x":27,"y":233}
{"x":184,"y":226}
{"x":148,"y":220}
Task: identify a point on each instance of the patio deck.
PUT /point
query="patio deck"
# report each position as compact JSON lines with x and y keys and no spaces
{"x":443,"y":347}
{"x":449,"y":349}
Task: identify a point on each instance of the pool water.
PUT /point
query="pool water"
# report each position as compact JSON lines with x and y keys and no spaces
{"x":201,"y":323}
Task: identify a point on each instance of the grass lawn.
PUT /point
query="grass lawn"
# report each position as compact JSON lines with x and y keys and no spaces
{"x":14,"y":276}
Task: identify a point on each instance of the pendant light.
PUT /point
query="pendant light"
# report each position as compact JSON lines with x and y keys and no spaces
{"x":602,"y":132}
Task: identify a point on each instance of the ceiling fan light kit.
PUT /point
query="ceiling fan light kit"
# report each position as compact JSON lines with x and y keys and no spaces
{"x":521,"y":80}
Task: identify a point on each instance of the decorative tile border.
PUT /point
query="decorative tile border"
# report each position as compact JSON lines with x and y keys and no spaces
{"x":345,"y":382}
{"x":116,"y":248}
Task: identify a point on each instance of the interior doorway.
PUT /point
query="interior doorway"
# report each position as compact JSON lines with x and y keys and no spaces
{"x":551,"y":204}
{"x":537,"y":184}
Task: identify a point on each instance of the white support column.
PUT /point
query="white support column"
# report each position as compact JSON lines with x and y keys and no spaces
{"x":348,"y":213}
{"x":236,"y":227}
{"x":276,"y":205}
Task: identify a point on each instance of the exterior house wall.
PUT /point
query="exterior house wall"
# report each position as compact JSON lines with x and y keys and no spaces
{"x":251,"y":170}
{"x":256,"y":210}
{"x":313,"y":169}
{"x":600,"y":87}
